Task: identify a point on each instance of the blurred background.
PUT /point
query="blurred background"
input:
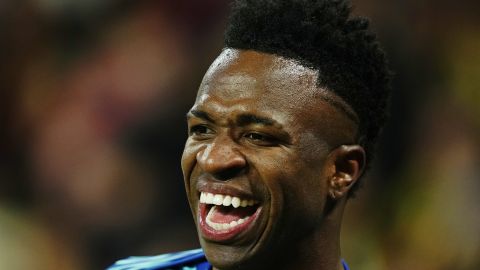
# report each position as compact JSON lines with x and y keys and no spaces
{"x":92,"y":106}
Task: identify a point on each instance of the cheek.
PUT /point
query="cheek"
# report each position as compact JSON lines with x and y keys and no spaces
{"x":281,"y":181}
{"x":267,"y":170}
{"x":303,"y":207}
{"x":303,"y":191}
{"x":189,"y":158}
{"x":188,"y":163}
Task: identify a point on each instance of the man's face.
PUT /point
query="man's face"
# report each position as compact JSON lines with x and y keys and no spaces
{"x":260,"y":133}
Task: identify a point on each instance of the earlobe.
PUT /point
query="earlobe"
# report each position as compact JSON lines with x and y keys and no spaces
{"x":348,"y":163}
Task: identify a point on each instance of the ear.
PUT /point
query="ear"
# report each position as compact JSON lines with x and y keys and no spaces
{"x":347,"y":163}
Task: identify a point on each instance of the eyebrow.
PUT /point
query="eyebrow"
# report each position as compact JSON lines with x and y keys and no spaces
{"x":200,"y":114}
{"x":242,"y":119}
{"x":248,"y":119}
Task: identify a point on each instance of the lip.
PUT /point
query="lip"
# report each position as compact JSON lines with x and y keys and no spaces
{"x":227,"y":235}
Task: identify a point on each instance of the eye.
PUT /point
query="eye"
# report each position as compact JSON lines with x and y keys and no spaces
{"x":261,"y":139}
{"x":200,"y":131}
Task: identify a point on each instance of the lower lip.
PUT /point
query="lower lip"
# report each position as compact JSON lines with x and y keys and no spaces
{"x":210,"y":233}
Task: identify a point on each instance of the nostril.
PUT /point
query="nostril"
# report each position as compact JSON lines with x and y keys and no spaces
{"x":229,"y":173}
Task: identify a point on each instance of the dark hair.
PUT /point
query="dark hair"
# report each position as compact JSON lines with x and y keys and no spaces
{"x":321,"y":35}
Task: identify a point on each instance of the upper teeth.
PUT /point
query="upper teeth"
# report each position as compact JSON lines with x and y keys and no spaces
{"x":225,"y":200}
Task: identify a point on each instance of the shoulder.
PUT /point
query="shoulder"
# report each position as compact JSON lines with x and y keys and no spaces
{"x":184,"y":260}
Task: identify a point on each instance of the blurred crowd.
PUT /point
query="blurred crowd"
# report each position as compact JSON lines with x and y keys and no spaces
{"x":92,"y":126}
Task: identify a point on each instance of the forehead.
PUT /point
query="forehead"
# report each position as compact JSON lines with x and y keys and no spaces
{"x":244,"y":81}
{"x":239,"y":74}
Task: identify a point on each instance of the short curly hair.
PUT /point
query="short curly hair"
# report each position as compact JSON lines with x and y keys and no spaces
{"x":322,"y":35}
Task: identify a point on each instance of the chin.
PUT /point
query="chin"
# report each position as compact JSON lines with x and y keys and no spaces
{"x":228,"y":257}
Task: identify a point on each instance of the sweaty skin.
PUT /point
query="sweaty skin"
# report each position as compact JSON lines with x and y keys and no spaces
{"x":262,"y":130}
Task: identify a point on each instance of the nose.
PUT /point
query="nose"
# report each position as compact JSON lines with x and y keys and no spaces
{"x":222,"y":159}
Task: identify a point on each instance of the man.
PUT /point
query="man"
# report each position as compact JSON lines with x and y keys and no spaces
{"x":283,"y":126}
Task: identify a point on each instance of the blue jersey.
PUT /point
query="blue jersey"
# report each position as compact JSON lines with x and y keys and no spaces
{"x":185,"y":260}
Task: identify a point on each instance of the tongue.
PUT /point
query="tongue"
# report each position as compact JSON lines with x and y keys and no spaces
{"x":227,"y":214}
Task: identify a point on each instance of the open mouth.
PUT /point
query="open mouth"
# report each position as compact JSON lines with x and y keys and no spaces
{"x":223,"y":217}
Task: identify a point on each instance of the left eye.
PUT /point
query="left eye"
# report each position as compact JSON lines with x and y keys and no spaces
{"x":260,"y":139}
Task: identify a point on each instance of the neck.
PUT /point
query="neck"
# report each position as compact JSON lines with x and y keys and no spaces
{"x":320,"y":250}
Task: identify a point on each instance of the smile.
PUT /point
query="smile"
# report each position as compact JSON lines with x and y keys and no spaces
{"x":224,"y":217}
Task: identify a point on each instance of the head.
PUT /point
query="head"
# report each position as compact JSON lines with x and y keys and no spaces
{"x":282,"y":129}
